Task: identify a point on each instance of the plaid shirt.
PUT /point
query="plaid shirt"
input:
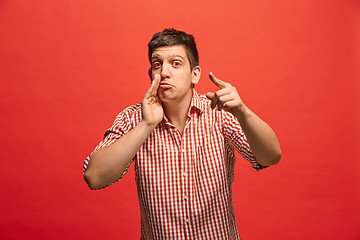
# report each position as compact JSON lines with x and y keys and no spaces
{"x":184,"y":181}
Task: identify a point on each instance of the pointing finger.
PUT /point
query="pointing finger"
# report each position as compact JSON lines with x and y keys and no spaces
{"x":216,"y":81}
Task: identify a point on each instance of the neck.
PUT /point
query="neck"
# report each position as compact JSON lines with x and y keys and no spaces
{"x":177,"y":112}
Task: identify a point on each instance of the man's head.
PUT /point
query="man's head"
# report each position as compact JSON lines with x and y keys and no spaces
{"x":174,"y":57}
{"x":172,"y":37}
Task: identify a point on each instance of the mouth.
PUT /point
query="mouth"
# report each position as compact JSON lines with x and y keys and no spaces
{"x":165,"y":85}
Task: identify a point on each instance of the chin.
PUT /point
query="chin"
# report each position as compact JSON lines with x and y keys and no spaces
{"x":166,"y":98}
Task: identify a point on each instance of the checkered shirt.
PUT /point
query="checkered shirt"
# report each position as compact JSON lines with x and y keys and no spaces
{"x":184,"y":181}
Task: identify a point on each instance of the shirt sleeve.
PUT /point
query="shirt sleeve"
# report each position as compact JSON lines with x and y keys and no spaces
{"x":121,"y":125}
{"x":234,"y":134}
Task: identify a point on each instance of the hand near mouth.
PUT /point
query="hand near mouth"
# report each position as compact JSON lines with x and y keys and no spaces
{"x":151,"y":107}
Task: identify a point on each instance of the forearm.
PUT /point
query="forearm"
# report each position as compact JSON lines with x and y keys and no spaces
{"x":262,"y":139}
{"x":107,"y":164}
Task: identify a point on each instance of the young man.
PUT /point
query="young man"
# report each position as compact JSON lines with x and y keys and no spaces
{"x":183,"y":145}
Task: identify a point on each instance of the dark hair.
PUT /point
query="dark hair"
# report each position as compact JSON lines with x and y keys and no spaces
{"x":171,"y":37}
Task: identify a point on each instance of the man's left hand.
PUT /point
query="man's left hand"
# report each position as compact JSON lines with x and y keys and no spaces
{"x":226,"y":97}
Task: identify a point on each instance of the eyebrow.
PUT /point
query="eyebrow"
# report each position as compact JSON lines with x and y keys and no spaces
{"x":157,"y":56}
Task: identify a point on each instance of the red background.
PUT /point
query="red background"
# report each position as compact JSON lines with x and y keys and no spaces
{"x":68,"y":67}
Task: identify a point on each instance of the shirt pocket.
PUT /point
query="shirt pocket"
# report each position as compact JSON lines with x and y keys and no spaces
{"x":208,"y":164}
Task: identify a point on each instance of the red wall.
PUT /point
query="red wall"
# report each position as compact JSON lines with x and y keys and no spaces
{"x":68,"y":67}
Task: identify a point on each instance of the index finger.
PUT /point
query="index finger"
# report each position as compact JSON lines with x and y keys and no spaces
{"x":216,"y":81}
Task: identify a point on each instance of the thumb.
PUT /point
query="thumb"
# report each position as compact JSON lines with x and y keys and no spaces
{"x":210,"y":95}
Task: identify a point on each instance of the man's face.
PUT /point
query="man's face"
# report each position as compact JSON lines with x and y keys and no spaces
{"x":177,"y":77}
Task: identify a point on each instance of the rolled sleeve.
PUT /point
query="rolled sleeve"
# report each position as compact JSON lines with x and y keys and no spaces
{"x":234,"y":134}
{"x":123,"y":123}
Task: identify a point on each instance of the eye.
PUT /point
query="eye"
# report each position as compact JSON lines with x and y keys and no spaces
{"x":156,"y":65}
{"x":176,"y":64}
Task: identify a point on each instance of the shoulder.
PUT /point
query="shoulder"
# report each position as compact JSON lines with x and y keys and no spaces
{"x":203,"y":103}
{"x":131,"y":113}
{"x":204,"y":100}
{"x":132,"y":109}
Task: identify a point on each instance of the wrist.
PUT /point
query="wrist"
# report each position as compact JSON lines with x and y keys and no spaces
{"x":147,"y":126}
{"x":241,"y":112}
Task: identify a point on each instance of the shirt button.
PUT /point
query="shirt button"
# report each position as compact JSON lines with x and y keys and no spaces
{"x":184,"y":174}
{"x":185,"y":197}
{"x":187,"y":220}
{"x":183,"y":150}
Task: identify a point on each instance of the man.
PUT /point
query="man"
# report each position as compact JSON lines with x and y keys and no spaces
{"x":183,"y":145}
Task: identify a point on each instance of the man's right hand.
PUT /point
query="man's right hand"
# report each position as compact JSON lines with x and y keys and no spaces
{"x":151,"y":107}
{"x":108,"y":163}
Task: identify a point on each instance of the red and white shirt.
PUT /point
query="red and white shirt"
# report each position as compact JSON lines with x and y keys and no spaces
{"x":184,"y":181}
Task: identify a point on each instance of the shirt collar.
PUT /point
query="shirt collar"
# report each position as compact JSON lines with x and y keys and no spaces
{"x":196,"y":103}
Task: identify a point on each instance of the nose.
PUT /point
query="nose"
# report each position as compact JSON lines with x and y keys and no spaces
{"x":165,"y":73}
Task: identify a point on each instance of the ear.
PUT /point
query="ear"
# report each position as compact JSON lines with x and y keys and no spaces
{"x":196,"y":73}
{"x":150,"y":73}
